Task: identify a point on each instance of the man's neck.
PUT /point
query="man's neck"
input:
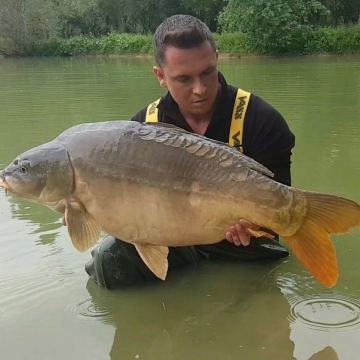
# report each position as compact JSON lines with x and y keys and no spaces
{"x":197,"y":118}
{"x":198,"y":123}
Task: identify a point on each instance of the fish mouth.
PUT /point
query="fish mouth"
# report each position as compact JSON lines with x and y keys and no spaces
{"x":3,"y":183}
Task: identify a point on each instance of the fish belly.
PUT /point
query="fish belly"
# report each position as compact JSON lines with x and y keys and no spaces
{"x":138,"y":213}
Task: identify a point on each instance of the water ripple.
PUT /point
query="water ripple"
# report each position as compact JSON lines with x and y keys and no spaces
{"x":330,"y":312}
{"x":88,"y":310}
{"x":22,"y":292}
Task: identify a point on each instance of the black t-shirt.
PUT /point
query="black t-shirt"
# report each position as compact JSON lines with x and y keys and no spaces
{"x":266,"y":135}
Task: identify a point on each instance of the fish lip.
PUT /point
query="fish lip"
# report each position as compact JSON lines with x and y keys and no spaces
{"x":3,"y":183}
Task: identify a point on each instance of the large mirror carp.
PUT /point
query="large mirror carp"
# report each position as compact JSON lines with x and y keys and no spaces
{"x":155,"y":185}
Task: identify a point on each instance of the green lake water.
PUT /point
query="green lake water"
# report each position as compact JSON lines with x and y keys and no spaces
{"x":49,"y":309}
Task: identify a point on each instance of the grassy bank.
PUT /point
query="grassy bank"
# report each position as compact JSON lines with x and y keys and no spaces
{"x":323,"y":41}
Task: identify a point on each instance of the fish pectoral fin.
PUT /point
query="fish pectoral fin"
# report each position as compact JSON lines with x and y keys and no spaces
{"x":248,"y":226}
{"x":155,"y":257}
{"x":84,"y":231}
{"x":260,"y":233}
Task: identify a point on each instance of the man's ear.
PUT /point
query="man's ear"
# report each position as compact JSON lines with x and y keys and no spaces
{"x":160,"y":76}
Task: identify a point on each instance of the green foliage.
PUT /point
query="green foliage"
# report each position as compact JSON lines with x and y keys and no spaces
{"x":323,"y":40}
{"x":206,"y":10}
{"x":340,"y":40}
{"x":231,"y":43}
{"x":122,"y":44}
{"x":272,"y":25}
{"x":77,"y":27}
{"x":127,"y":44}
{"x":78,"y":45}
{"x":342,"y":11}
{"x":113,"y":44}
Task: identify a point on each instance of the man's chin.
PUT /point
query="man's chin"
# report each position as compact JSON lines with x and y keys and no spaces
{"x":201,"y":108}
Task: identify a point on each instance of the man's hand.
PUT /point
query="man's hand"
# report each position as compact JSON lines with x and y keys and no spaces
{"x":240,"y":233}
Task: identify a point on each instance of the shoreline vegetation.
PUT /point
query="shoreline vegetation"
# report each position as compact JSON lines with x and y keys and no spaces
{"x":125,"y":27}
{"x":323,"y":41}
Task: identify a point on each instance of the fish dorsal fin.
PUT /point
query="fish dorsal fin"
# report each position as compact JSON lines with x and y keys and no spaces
{"x":248,"y":161}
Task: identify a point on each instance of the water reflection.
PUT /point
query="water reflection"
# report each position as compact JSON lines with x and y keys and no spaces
{"x":44,"y":222}
{"x":327,"y":353}
{"x":324,"y":323}
{"x":261,"y":313}
{"x":197,"y":314}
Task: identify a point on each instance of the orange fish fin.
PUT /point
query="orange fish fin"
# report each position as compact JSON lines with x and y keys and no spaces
{"x":155,"y":258}
{"x":337,"y":215}
{"x":84,"y":231}
{"x":314,"y":249}
{"x":326,"y":214}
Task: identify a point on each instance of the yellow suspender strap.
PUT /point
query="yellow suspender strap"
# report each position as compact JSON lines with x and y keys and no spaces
{"x":237,"y":120}
{"x":152,"y":112}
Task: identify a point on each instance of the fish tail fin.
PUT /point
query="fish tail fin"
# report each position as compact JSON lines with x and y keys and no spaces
{"x":326,"y":214}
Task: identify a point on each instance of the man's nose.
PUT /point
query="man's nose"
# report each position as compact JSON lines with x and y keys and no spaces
{"x":199,"y":88}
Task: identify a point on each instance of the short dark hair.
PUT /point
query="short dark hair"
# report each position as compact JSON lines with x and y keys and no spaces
{"x":181,"y":31}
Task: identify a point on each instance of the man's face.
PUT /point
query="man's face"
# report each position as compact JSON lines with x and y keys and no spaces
{"x":191,"y":76}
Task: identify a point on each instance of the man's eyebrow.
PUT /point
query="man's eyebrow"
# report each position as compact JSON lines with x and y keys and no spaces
{"x":179,"y":76}
{"x":211,"y":67}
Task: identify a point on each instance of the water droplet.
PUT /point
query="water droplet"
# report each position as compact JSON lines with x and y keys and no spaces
{"x":332,"y":312}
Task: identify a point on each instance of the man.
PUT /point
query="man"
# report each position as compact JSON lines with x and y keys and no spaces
{"x":199,"y":100}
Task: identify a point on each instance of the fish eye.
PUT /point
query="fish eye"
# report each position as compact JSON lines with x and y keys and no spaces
{"x":24,"y":166}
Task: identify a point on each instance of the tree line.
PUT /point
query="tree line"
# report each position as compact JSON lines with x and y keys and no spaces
{"x":263,"y":21}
